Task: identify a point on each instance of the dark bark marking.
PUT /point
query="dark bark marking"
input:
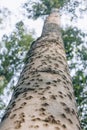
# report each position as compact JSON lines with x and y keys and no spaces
{"x":24,"y":94}
{"x":28,"y":83}
{"x":67,"y":109}
{"x":50,"y":119}
{"x":48,"y":87}
{"x":23,"y":104}
{"x":73,"y":112}
{"x":53,"y":97}
{"x":17,"y":124}
{"x":64,"y":126}
{"x":60,"y":92}
{"x":63,"y":103}
{"x":48,"y":83}
{"x":70,"y":121}
{"x":58,"y":80}
{"x":39,"y":79}
{"x":42,"y":114}
{"x":38,"y":75}
{"x":56,"y":65}
{"x":36,"y":126}
{"x":63,"y":115}
{"x":42,"y":109}
{"x":36,"y":85}
{"x":29,"y":97}
{"x":36,"y":119}
{"x":17,"y":108}
{"x":61,"y":96}
{"x":69,"y":96}
{"x":54,"y":81}
{"x":32,"y":79}
{"x":64,"y":82}
{"x":12,"y":116}
{"x":45,"y":104}
{"x":66,"y":87}
{"x":21,"y":120}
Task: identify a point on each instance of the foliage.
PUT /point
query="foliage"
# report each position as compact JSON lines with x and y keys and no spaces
{"x":43,"y":7}
{"x":12,"y":57}
{"x":76,"y":52}
{"x":13,"y":53}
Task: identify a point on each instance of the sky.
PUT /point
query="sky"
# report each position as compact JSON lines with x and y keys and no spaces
{"x":11,"y":4}
{"x":15,"y":7}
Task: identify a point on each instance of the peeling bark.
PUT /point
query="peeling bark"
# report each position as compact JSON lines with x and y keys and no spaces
{"x":43,"y":98}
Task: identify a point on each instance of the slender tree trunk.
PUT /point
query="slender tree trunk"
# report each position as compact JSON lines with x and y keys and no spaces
{"x":43,"y":98}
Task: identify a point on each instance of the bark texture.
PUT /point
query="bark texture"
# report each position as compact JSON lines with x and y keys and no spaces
{"x":43,"y":98}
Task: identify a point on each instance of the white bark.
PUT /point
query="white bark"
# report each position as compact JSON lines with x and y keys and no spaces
{"x":43,"y":98}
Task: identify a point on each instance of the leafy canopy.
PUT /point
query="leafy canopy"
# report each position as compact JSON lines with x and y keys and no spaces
{"x":43,"y":7}
{"x":13,"y":53}
{"x":76,"y":53}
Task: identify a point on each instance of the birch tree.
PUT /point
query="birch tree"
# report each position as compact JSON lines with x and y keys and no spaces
{"x":44,"y":98}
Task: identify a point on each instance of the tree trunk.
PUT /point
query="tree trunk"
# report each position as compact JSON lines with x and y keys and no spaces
{"x":43,"y":98}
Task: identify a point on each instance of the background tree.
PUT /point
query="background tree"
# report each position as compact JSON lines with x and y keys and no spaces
{"x":12,"y":53}
{"x":74,"y":44}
